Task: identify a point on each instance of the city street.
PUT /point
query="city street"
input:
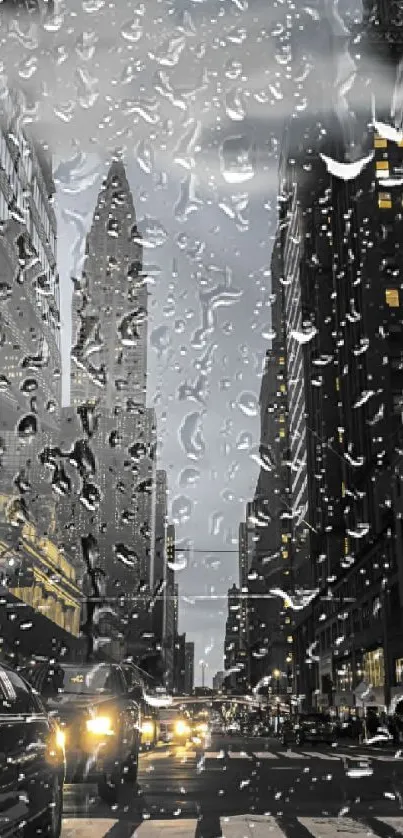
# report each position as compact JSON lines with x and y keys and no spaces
{"x":243,"y":784}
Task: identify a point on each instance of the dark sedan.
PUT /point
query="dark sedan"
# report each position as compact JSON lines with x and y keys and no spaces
{"x":310,"y":727}
{"x":32,"y":763}
{"x":100,"y":720}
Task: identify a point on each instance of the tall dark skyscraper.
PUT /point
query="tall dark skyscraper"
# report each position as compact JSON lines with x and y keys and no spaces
{"x":109,"y":356}
{"x":113,"y":474}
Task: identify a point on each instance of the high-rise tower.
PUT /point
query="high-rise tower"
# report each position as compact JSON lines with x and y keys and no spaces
{"x":109,"y":356}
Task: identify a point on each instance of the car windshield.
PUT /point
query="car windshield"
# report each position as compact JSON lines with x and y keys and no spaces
{"x":87,"y":680}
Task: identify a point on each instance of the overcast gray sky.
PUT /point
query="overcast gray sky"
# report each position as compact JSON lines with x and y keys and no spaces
{"x":195,"y":94}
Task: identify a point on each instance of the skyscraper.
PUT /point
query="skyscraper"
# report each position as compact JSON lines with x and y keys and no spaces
{"x":109,"y":356}
{"x":159,"y":565}
{"x":171,"y":608}
{"x":189,"y":667}
{"x":112,"y":465}
{"x":30,"y":362}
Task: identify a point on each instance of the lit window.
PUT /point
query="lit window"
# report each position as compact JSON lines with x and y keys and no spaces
{"x":289,"y":638}
{"x":282,"y":433}
{"x":282,"y":418}
{"x":392,"y":297}
{"x":382,"y":168}
{"x":281,"y":361}
{"x":285,"y":554}
{"x":343,"y":489}
{"x":346,"y":546}
{"x":337,"y":384}
{"x":284,"y":538}
{"x":380,"y":142}
{"x":385,"y":200}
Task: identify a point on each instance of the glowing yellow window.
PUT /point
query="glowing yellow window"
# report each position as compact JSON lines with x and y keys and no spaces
{"x":284,"y":538}
{"x":382,"y":168}
{"x":289,"y":638}
{"x":400,"y":144}
{"x":337,"y":384}
{"x":392,"y":297}
{"x":288,"y":620}
{"x":285,"y":554}
{"x":282,"y":433}
{"x":380,"y":142}
{"x":346,"y":546}
{"x":385,"y":200}
{"x":281,"y":361}
{"x":283,"y":388}
{"x":282,"y":418}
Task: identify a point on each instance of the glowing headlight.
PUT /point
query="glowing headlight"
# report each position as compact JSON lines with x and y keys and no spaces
{"x":60,"y":739}
{"x":147,"y":728}
{"x":202,"y":728}
{"x":182,"y":728}
{"x":100,"y":726}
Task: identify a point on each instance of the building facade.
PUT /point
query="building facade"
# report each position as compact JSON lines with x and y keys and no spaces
{"x":171,"y":608}
{"x":107,"y":451}
{"x":30,"y":392}
{"x":350,"y":637}
{"x":189,"y":667}
{"x":159,"y":566}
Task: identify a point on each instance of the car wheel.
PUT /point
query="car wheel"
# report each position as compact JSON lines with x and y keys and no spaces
{"x":49,"y":825}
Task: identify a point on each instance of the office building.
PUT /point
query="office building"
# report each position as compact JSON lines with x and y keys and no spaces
{"x":189,"y":667}
{"x":30,"y":362}
{"x":171,"y":608}
{"x":159,"y":566}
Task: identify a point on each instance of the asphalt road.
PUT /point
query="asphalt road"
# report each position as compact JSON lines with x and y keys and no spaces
{"x":240,"y":788}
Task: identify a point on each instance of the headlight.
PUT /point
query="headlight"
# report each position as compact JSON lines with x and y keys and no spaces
{"x":100,"y":726}
{"x":60,"y":739}
{"x":182,"y":728}
{"x":147,"y":728}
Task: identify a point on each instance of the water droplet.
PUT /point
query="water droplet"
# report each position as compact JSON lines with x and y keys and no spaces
{"x":237,"y":163}
{"x":191,"y":436}
{"x":216,"y":521}
{"x":244,"y":441}
{"x":160,"y":339}
{"x":188,"y":477}
{"x":27,"y":427}
{"x":248,"y":404}
{"x":153,"y":234}
{"x":181,"y":509}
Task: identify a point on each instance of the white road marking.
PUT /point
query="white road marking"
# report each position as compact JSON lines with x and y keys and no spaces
{"x":244,"y":826}
{"x":265,"y":755}
{"x":214,"y":755}
{"x":183,"y":828}
{"x":239,"y":755}
{"x":293,"y":755}
{"x":395,"y":823}
{"x":239,"y":826}
{"x":86,"y":827}
{"x":321,"y":755}
{"x":329,"y":827}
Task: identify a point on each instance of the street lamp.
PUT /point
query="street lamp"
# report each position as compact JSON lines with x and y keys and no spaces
{"x":276,"y":675}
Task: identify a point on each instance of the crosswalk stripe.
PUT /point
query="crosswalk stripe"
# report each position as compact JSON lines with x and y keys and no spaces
{"x":214,"y":755}
{"x":320,"y":755}
{"x":395,"y":823}
{"x":242,"y":826}
{"x":183,"y":828}
{"x":265,"y":755}
{"x":239,"y":755}
{"x":84,"y":827}
{"x":329,"y":827}
{"x":238,"y":826}
{"x":293,"y":755}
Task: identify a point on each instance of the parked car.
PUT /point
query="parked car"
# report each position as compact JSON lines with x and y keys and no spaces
{"x":149,"y":723}
{"x":32,"y":762}
{"x":99,"y":718}
{"x":309,"y":727}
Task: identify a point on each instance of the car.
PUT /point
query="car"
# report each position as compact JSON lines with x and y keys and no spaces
{"x":308,"y":727}
{"x":175,"y":726}
{"x":32,"y":762}
{"x":100,"y":720}
{"x":150,"y":726}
